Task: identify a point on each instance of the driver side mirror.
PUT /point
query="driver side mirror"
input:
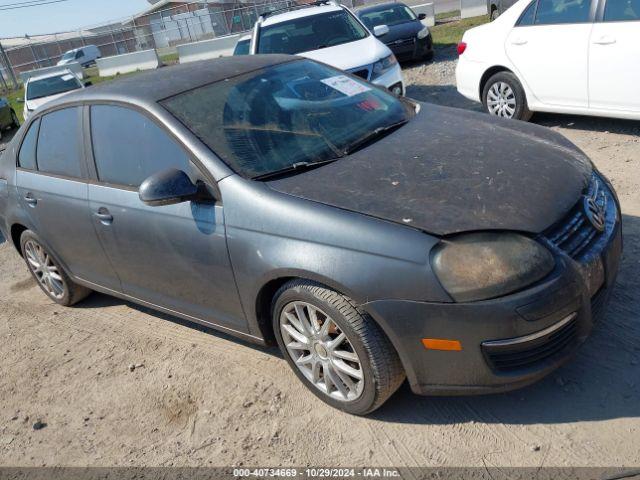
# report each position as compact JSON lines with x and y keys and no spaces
{"x":380,"y":30}
{"x":168,"y":187}
{"x":422,"y":16}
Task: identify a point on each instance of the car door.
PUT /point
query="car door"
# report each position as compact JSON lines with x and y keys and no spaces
{"x":549,"y":49}
{"x":614,"y":57}
{"x":172,"y":256}
{"x":51,"y":181}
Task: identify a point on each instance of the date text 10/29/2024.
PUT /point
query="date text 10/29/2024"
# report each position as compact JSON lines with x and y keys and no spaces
{"x":323,"y":472}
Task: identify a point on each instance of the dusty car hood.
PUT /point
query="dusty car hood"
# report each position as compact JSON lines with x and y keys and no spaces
{"x":450,"y":171}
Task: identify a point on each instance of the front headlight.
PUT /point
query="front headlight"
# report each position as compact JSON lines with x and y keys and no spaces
{"x":383,"y":65}
{"x":480,"y":266}
{"x":423,"y":33}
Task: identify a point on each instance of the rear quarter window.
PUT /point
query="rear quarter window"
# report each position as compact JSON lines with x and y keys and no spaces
{"x":27,"y":154}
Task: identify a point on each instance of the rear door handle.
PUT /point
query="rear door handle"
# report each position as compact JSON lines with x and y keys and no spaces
{"x":31,"y":200}
{"x":519,"y":41}
{"x":605,"y":40}
{"x":104,"y":216}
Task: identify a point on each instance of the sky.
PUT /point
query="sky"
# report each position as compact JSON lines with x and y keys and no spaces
{"x":63,"y":16}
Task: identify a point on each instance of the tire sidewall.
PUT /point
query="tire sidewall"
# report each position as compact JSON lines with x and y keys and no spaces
{"x":363,"y":403}
{"x":522,"y":110}
{"x":29,"y":235}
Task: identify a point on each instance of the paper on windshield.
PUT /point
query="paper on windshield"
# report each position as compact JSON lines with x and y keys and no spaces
{"x":346,"y":85}
{"x":67,"y":77}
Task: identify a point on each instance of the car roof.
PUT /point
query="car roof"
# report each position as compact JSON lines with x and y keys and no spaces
{"x":378,"y":7}
{"x":300,"y":13}
{"x":57,"y":73}
{"x":155,"y":85}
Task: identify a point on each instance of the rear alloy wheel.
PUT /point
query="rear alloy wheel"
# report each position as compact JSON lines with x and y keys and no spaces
{"x":337,"y":351}
{"x":51,"y":278}
{"x":503,"y":96}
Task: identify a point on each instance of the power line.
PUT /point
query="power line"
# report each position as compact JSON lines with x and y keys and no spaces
{"x":32,"y":3}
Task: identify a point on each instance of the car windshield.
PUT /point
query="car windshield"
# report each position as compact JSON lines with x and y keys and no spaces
{"x":299,"y":112}
{"x":310,"y":33}
{"x":391,"y":15}
{"x":52,"y":86}
{"x":242,"y":47}
{"x":69,"y":55}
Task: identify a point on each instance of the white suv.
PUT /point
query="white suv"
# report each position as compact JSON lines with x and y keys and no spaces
{"x":44,"y":88}
{"x":331,"y":34}
{"x":564,"y":56}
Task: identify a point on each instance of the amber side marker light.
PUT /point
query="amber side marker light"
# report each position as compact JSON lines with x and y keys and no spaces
{"x":441,"y":344}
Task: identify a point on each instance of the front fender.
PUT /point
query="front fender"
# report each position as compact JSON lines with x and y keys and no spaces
{"x":273,"y":235}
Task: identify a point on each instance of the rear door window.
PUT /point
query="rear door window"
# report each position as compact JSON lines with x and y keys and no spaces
{"x":27,"y":155}
{"x":128,"y":147}
{"x":551,"y":12}
{"x":622,"y":10}
{"x":60,"y":143}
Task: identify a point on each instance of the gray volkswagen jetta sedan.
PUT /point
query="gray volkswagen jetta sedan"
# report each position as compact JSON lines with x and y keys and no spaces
{"x":280,"y":200}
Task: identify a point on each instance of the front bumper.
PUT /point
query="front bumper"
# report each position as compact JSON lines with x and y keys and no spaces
{"x":390,"y":79}
{"x":413,"y":48}
{"x":507,"y":342}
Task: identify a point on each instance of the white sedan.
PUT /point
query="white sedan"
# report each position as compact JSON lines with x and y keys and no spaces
{"x":564,"y":56}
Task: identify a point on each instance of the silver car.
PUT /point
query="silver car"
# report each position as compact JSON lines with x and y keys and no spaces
{"x":280,"y":200}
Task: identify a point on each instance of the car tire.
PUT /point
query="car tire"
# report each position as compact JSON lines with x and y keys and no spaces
{"x":494,"y":14}
{"x":428,"y":56}
{"x":14,"y":118}
{"x":503,"y":96}
{"x":371,"y":379}
{"x":47,"y":272}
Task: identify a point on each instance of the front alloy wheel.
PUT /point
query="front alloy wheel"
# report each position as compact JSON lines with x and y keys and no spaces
{"x":334,"y":347}
{"x":321,"y":351}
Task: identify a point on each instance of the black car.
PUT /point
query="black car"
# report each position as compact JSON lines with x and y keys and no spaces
{"x":280,"y":200}
{"x":408,"y":38}
{"x":8,"y":117}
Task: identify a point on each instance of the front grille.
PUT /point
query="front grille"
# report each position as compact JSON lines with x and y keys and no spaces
{"x":402,"y":42}
{"x":364,"y":73}
{"x":575,"y":234}
{"x":521,"y":354}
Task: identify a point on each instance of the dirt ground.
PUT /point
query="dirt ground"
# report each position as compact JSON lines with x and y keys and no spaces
{"x":199,"y":398}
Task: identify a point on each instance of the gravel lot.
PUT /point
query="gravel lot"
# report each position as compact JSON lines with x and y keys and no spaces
{"x":197,"y":397}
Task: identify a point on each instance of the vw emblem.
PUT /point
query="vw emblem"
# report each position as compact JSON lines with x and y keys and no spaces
{"x":595,"y":213}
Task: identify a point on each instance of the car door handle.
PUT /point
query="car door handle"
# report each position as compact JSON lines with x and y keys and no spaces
{"x":31,"y":200}
{"x":104,"y":216}
{"x":519,"y":41}
{"x":606,"y":40}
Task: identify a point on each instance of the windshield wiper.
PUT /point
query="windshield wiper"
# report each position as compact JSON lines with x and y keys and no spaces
{"x":378,"y":132}
{"x":296,"y":167}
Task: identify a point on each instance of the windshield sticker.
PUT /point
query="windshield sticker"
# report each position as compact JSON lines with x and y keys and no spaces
{"x":346,"y":85}
{"x":67,"y":77}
